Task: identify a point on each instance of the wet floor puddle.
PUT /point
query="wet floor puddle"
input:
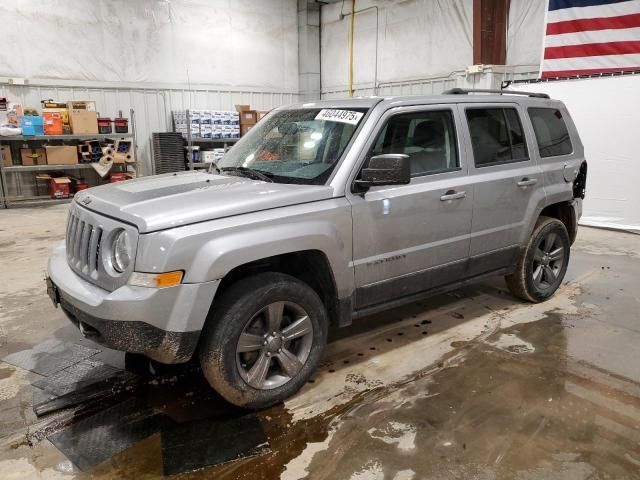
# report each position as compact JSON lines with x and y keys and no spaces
{"x":513,"y":405}
{"x":508,"y":404}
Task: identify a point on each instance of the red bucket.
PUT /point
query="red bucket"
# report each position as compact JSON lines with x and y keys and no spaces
{"x":122,"y":125}
{"x":104,"y":125}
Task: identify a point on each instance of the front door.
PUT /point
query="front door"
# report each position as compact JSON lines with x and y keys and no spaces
{"x":411,"y":238}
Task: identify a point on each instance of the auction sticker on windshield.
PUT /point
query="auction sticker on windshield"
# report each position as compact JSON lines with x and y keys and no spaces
{"x":343,"y":116}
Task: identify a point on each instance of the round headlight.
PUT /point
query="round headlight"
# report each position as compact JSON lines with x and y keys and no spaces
{"x":121,"y":252}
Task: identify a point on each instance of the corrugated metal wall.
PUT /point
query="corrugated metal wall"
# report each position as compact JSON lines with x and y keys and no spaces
{"x":152,"y":110}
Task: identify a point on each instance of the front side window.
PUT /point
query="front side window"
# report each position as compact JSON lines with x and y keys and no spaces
{"x":551,"y":132}
{"x":496,"y":136}
{"x":429,"y":138}
{"x":294,"y":146}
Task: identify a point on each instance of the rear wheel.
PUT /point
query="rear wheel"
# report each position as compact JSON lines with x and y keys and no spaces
{"x":264,"y":339}
{"x":541,"y":266}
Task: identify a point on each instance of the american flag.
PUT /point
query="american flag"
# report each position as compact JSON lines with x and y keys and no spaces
{"x":585,"y":37}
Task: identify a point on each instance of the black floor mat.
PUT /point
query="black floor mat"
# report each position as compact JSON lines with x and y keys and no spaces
{"x":85,"y":381}
{"x":118,"y":408}
{"x":202,"y":443}
{"x":50,"y":357}
{"x":93,"y":440}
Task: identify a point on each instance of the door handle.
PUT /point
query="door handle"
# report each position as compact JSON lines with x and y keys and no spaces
{"x":452,"y":195}
{"x":526,"y":182}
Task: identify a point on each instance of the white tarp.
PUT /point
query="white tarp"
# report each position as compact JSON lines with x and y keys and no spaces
{"x":219,"y":42}
{"x":606,"y":112}
{"x":416,"y":39}
{"x":525,"y":32}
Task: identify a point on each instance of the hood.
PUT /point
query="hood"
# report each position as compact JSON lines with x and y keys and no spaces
{"x":175,"y":199}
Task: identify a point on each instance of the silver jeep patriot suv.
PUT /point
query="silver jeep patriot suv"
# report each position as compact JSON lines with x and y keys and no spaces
{"x":322,"y":213}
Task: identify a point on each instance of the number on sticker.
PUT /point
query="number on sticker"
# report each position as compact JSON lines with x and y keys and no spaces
{"x":343,"y":116}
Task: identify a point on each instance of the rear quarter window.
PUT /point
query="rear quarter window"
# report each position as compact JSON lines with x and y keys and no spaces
{"x":551,"y":132}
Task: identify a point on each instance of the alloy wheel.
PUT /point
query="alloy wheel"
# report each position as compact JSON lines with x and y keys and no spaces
{"x":274,"y":345}
{"x":548,"y":260}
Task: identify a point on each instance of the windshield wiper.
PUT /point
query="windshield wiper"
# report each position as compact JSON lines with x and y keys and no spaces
{"x":250,"y":172}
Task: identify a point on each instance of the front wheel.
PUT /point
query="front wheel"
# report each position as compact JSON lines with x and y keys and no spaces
{"x":263,"y":340}
{"x":542,"y":264}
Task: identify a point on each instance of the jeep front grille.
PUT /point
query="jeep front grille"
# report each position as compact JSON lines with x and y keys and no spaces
{"x":88,"y":243}
{"x":83,"y":244}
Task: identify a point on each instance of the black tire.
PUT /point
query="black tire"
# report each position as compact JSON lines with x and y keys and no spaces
{"x":239,"y":308}
{"x":548,"y":273}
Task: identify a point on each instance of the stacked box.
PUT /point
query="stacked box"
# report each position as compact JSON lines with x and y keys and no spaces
{"x":215,"y":155}
{"x":205,"y":117}
{"x":208,"y":123}
{"x":247,"y":118}
{"x":195,"y":127}
{"x":180,"y":122}
{"x":206,"y":130}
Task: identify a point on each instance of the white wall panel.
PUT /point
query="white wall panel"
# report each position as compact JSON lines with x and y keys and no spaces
{"x":222,"y":42}
{"x":424,"y":46}
{"x":525,"y":32}
{"x":606,"y":112}
{"x":416,"y":39}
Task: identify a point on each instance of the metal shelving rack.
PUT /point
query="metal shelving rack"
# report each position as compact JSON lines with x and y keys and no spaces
{"x":225,"y":142}
{"x":6,"y":199}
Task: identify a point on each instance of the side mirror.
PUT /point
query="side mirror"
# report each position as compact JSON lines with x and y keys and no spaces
{"x":387,"y":169}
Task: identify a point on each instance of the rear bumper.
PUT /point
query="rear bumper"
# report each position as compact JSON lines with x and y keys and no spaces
{"x":163,"y":324}
{"x":576,"y":205}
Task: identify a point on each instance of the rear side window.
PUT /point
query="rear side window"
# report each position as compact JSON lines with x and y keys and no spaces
{"x":496,"y":136}
{"x":551,"y":132}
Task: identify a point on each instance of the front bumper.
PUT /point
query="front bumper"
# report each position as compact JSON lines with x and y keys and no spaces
{"x":163,"y":324}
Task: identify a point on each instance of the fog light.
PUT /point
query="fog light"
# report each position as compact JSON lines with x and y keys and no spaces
{"x":156,"y":280}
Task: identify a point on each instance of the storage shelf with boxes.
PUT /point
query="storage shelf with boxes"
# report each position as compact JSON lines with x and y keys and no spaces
{"x":204,"y":129}
{"x":63,"y":148}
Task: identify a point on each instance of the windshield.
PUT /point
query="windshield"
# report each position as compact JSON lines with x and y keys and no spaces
{"x":294,"y":146}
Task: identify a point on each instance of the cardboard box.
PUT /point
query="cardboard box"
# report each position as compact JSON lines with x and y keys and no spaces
{"x":262,"y":114}
{"x":242,"y":108}
{"x":83,"y":117}
{"x":52,"y":122}
{"x":59,"y":187}
{"x":244,"y":129}
{"x":7,"y":161}
{"x":33,"y":156}
{"x":248,"y":117}
{"x":61,"y":155}
{"x":62,"y":109}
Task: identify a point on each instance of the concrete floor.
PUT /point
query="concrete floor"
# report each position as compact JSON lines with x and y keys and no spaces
{"x":472,"y":384}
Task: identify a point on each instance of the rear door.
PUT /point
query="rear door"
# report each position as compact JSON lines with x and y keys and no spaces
{"x":507,"y":181}
{"x":410,"y":238}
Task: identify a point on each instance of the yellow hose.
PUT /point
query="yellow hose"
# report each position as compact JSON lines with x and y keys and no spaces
{"x":353,"y":20}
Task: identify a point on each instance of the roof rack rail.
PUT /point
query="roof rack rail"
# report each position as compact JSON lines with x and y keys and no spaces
{"x":465,"y":91}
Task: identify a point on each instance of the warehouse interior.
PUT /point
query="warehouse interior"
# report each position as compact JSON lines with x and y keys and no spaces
{"x":130,"y":97}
